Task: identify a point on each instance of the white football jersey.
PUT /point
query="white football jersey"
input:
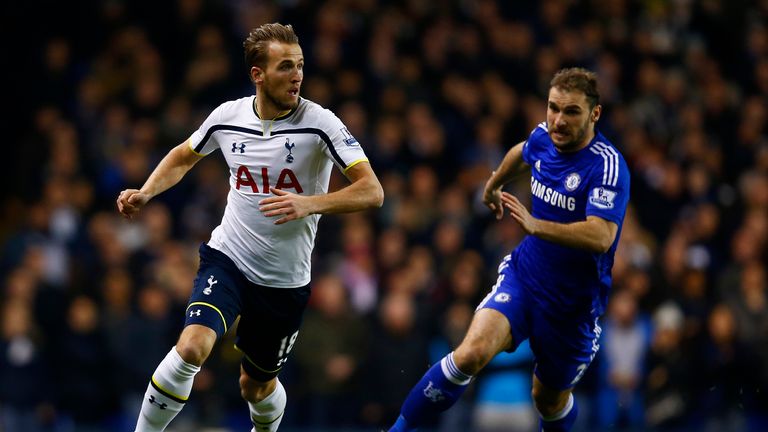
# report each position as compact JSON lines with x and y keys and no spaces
{"x":295,"y":153}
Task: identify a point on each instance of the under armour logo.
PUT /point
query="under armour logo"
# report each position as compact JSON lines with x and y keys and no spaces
{"x":240,"y":147}
{"x":211,"y":283}
{"x":432,"y":393}
{"x":195,"y":312}
{"x":152,"y":400}
{"x":289,"y":145}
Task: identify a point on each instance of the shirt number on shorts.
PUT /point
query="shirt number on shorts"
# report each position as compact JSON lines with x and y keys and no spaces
{"x":285,"y":347}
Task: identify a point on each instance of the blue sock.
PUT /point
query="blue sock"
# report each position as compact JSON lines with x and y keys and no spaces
{"x":563,"y":421}
{"x":437,"y":391}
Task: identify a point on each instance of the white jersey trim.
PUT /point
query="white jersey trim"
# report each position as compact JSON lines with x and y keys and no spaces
{"x":610,"y":162}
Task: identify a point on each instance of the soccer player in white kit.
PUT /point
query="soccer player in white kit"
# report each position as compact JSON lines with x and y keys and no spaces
{"x":280,"y":149}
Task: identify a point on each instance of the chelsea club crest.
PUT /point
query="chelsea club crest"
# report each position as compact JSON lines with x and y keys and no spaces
{"x":572,"y":181}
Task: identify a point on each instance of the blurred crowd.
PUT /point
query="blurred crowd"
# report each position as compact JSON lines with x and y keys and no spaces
{"x":436,"y":92}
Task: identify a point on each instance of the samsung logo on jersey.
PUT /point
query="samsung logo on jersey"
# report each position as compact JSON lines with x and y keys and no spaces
{"x":551,"y":196}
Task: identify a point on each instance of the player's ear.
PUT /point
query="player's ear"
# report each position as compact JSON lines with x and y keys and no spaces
{"x":257,"y":75}
{"x":596,"y":111}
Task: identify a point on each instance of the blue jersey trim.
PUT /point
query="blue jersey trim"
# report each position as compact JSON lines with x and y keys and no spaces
{"x":199,"y":148}
{"x":319,"y":132}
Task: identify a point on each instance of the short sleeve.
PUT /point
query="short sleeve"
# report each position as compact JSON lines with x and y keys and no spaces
{"x":608,"y":192}
{"x":341,"y":147}
{"x":202,"y":140}
{"x":533,"y":142}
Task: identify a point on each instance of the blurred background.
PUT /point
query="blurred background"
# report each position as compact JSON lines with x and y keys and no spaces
{"x":97,"y":91}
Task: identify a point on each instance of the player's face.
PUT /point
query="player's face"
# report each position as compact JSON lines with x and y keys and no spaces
{"x":570,"y":121}
{"x":283,"y":75}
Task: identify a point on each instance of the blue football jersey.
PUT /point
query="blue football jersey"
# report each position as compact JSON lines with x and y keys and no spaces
{"x":568,"y":187}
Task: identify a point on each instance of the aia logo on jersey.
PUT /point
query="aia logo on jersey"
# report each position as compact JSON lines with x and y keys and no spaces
{"x":285,"y":180}
{"x":572,"y":181}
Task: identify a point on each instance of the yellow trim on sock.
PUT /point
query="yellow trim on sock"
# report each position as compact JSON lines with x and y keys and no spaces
{"x":154,"y":381}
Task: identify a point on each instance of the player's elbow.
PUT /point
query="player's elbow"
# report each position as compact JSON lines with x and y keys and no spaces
{"x":603,"y":244}
{"x":379,"y":200}
{"x":376,"y":195}
{"x":603,"y":233}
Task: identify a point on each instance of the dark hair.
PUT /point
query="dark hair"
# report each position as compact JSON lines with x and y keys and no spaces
{"x":257,"y":43}
{"x":580,"y":79}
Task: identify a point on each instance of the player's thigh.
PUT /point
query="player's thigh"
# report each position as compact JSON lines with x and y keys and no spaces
{"x":509,"y":298}
{"x":564,"y":349}
{"x":216,"y":296}
{"x":488,"y":334}
{"x":268,"y":329}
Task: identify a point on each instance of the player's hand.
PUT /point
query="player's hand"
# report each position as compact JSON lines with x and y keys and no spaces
{"x":288,"y":205}
{"x":518,"y":212}
{"x":130,"y":201}
{"x":492,"y":198}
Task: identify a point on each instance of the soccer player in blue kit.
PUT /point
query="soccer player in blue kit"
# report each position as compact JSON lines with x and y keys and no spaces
{"x":554,"y":286}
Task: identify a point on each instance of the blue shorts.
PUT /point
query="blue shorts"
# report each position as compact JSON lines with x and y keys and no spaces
{"x":563,"y":347}
{"x":269,"y":317}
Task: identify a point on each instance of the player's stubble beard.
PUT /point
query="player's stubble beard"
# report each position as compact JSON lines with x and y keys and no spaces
{"x":276,"y":102}
{"x":576,"y":142}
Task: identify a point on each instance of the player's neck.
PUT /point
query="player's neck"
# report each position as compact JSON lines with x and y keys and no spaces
{"x":267,"y":111}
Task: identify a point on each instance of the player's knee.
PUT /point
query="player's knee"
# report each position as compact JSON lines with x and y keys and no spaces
{"x":472,"y":356}
{"x":254,"y":391}
{"x":194,"y":347}
{"x":546,"y":403}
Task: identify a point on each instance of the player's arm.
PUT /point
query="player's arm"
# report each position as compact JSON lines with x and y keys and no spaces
{"x":594,"y":234}
{"x":510,"y":167}
{"x":364,"y":192}
{"x":168,"y":172}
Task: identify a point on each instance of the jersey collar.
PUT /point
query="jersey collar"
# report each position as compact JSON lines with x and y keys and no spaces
{"x":282,"y":117}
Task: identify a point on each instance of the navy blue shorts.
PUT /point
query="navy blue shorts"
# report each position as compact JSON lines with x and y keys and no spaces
{"x":269,"y":317}
{"x":563,"y":348}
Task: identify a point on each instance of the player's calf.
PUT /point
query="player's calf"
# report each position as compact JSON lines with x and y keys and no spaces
{"x":557,"y":408}
{"x":266,"y":402}
{"x":166,"y":393}
{"x":437,"y":391}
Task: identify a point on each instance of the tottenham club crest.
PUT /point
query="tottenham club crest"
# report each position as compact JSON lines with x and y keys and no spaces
{"x":289,"y":145}
{"x":211,"y":282}
{"x":572,"y":181}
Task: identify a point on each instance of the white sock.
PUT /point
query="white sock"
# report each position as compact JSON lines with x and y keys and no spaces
{"x":267,"y":413}
{"x":563,"y":412}
{"x":167,"y":392}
